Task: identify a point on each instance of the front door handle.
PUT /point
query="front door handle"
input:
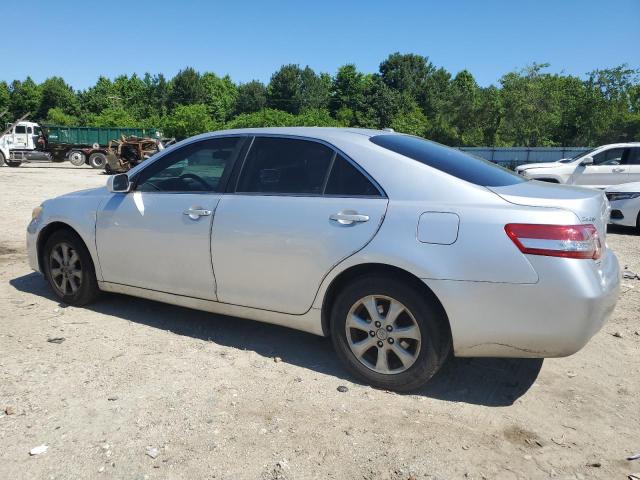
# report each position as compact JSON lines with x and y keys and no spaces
{"x":618,"y":170}
{"x":348,"y":217}
{"x":196,"y":212}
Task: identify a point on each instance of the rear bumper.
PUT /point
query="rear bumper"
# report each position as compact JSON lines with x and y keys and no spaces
{"x":554,"y":317}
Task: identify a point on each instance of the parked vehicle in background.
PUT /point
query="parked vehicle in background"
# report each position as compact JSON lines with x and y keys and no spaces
{"x":603,"y":166}
{"x":625,"y":204}
{"x":401,"y":249}
{"x":25,"y":141}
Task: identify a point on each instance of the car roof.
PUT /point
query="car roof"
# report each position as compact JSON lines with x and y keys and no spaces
{"x":321,"y":133}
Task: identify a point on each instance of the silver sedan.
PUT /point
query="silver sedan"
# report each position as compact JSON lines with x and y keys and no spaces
{"x":401,"y":249}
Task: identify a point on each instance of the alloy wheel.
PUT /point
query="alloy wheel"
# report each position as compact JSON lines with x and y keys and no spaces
{"x":383,"y":334}
{"x":65,"y":268}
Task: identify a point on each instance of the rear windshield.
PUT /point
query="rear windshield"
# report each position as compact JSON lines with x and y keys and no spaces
{"x":449,"y":160}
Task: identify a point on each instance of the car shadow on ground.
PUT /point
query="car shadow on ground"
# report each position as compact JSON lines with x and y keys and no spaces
{"x":481,"y":381}
{"x":623,"y":230}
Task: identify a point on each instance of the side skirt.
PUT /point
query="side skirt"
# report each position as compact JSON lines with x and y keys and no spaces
{"x":309,"y":322}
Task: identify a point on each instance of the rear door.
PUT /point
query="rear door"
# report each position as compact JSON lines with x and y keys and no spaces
{"x":633,"y":165}
{"x":297,"y":210}
{"x":607,"y":169}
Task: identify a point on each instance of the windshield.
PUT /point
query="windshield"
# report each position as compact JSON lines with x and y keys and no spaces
{"x":449,"y":160}
{"x":581,"y":154}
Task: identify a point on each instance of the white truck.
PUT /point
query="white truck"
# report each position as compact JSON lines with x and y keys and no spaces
{"x":23,"y":141}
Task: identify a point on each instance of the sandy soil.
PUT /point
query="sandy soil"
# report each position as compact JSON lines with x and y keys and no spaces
{"x":206,"y":396}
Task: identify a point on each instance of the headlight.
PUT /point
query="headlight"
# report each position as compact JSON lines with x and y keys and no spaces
{"x":36,"y":213}
{"x":622,"y":196}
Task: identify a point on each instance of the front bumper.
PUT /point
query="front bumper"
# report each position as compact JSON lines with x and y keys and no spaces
{"x":554,"y":317}
{"x":32,"y":247}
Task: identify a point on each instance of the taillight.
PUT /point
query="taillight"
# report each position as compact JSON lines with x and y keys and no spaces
{"x":568,"y":241}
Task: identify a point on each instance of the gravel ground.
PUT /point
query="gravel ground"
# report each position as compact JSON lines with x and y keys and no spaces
{"x":138,"y":389}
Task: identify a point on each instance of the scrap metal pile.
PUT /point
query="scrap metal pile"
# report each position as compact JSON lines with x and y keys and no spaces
{"x":126,"y":153}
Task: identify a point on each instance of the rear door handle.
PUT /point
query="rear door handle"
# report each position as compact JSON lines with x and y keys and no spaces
{"x":618,"y":170}
{"x":348,"y":217}
{"x":196,"y":212}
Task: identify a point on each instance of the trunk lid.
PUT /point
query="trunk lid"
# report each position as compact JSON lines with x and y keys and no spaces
{"x":590,"y":205}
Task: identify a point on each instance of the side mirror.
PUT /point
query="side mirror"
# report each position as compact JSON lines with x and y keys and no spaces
{"x":587,"y":161}
{"x":118,"y":183}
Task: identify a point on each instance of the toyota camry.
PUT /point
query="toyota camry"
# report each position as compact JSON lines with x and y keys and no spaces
{"x":402,"y":250}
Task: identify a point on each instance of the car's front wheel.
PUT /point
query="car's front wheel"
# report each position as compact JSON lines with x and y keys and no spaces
{"x":69,"y":269}
{"x":389,"y":333}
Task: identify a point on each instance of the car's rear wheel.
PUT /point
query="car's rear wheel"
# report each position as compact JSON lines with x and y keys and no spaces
{"x":69,"y":269}
{"x":388,"y":333}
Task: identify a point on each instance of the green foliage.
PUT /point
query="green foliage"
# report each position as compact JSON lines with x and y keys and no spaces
{"x":188,"y":120}
{"x":267,"y":117}
{"x":113,"y":117}
{"x":57,"y":116}
{"x":252,"y":97}
{"x":529,"y":107}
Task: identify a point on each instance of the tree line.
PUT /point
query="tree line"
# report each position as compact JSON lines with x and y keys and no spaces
{"x":529,"y":107}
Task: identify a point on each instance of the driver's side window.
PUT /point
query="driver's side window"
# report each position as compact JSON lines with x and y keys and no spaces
{"x":609,"y":157}
{"x":198,"y":167}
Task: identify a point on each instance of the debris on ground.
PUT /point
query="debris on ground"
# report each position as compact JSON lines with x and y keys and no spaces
{"x":628,"y":274}
{"x":10,"y":410}
{"x":617,"y":334}
{"x":342,"y":389}
{"x":634,"y":457}
{"x":38,"y":450}
{"x":112,"y":398}
{"x":277,"y":359}
{"x":152,"y":452}
{"x":57,"y":340}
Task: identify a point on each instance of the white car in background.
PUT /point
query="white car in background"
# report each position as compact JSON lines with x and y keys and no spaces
{"x":625,"y":204}
{"x":598,"y":168}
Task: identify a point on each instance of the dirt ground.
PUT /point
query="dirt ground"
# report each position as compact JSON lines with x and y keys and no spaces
{"x":206,"y":396}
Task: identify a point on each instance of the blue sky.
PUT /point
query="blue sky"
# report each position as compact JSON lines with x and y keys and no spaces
{"x":80,"y":40}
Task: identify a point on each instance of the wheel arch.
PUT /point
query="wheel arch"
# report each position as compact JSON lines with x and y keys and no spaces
{"x":46,"y":233}
{"x":364,"y":269}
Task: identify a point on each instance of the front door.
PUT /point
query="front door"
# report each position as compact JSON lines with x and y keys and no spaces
{"x":607,"y":169}
{"x":299,"y":208}
{"x":20,"y":137}
{"x":158,"y":235}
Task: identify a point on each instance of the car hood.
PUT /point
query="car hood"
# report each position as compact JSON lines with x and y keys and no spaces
{"x":589,"y":205}
{"x":625,"y":187}
{"x":89,"y":192}
{"x":528,"y":166}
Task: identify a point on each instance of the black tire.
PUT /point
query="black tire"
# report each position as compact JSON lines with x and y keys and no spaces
{"x":87,"y":290}
{"x":435,"y":344}
{"x":97,"y":160}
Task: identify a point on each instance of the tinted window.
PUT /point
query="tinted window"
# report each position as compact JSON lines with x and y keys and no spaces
{"x":449,"y":160}
{"x":345,"y":179}
{"x":197,"y":167}
{"x":609,"y":157}
{"x":284,"y":165}
{"x":634,"y":156}
{"x":21,"y":129}
{"x":29,"y":130}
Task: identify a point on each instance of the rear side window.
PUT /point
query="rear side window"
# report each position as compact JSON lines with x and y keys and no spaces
{"x":449,"y":160}
{"x":634,"y":156}
{"x":345,"y":179}
{"x":286,"y":166}
{"x":21,"y":129}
